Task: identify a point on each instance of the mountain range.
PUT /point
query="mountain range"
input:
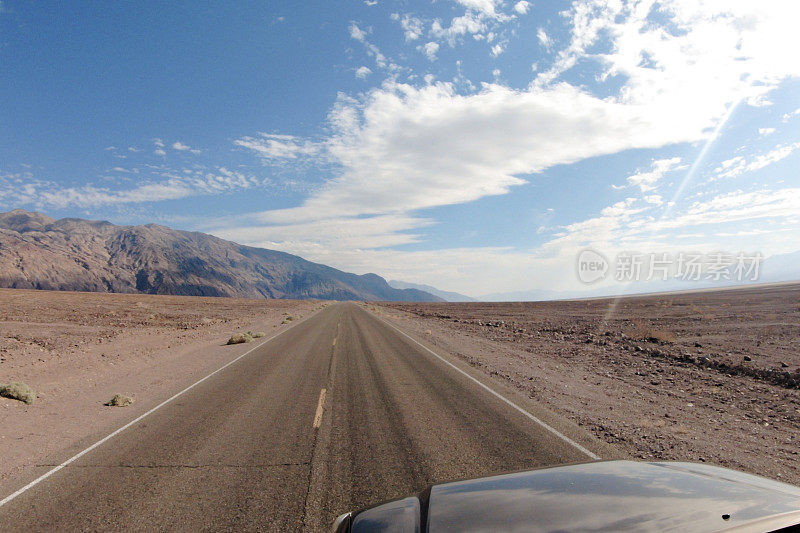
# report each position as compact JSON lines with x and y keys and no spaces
{"x":39,"y":252}
{"x":447,"y":296}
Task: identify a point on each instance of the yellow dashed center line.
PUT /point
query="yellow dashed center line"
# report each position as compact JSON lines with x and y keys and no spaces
{"x":318,"y":416}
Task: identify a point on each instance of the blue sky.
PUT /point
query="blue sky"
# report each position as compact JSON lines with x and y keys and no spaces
{"x":475,"y":145}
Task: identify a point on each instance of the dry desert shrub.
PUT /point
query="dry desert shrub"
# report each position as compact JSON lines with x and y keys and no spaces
{"x":681,"y":429}
{"x":18,"y":391}
{"x":702,"y":313}
{"x":646,"y":332}
{"x":240,"y":338}
{"x":649,"y":424}
{"x":120,"y":400}
{"x":257,"y":334}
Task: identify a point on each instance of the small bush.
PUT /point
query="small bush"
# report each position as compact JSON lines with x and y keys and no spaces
{"x":257,"y":334}
{"x":18,"y":391}
{"x":663,"y":336}
{"x":119,"y":400}
{"x":240,"y":338}
{"x":650,"y":334}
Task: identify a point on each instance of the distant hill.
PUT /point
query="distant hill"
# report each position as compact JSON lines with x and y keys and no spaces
{"x":533,"y":295}
{"x":39,"y":252}
{"x":781,"y":267}
{"x":444,"y":295}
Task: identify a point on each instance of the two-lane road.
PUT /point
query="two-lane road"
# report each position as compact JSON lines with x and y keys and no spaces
{"x":258,"y":445}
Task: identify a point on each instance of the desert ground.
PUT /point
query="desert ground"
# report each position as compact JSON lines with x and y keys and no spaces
{"x":710,"y":376}
{"x":707,"y":376}
{"x":77,"y":350}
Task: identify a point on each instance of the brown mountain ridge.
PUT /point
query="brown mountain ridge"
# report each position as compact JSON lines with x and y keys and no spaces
{"x":73,"y":254}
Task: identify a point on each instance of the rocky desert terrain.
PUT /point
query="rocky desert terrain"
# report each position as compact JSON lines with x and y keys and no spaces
{"x":77,"y":350}
{"x":708,"y":376}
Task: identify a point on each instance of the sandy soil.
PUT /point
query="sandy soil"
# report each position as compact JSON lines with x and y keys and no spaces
{"x":711,"y":376}
{"x":79,"y":349}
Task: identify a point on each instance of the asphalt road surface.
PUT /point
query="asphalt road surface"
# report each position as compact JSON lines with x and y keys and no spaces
{"x":260,"y":446}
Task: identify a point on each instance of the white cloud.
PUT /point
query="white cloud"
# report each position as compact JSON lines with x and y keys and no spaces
{"x":179,"y":146}
{"x":738,"y":165}
{"x":706,"y":54}
{"x":485,"y":7}
{"x":522,"y":7}
{"x":311,"y":239}
{"x":159,"y":151}
{"x":469,"y":23}
{"x":413,"y":27}
{"x":788,"y":116}
{"x":163,"y":185}
{"x":404,"y":148}
{"x":19,"y":189}
{"x":544,"y":40}
{"x":633,"y":225}
{"x":272,"y":147}
{"x":361,"y":35}
{"x":92,"y":196}
{"x":429,"y":49}
{"x":362,"y":72}
{"x":737,"y":206}
{"x":497,"y":49}
{"x":766,"y":131}
{"x":357,"y":33}
{"x":646,"y":181}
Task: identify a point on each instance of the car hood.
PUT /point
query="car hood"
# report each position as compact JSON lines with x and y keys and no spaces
{"x":612,"y":495}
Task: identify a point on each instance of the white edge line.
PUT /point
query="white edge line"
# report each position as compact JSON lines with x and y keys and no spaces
{"x":545,"y":425}
{"x":137,"y":419}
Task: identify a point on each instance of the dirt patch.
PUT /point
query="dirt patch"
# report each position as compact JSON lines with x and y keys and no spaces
{"x":710,"y":376}
{"x":79,"y":349}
